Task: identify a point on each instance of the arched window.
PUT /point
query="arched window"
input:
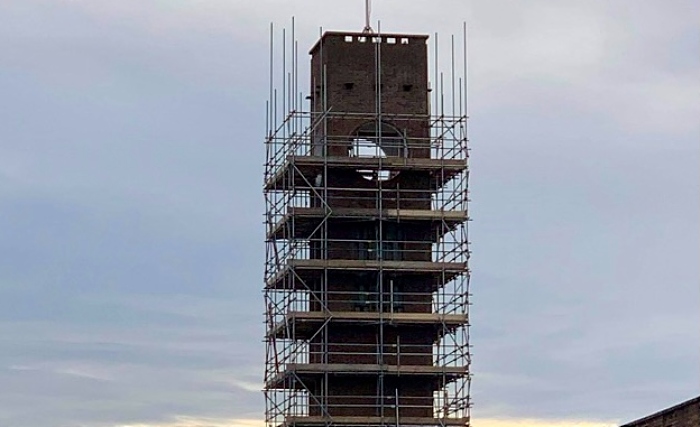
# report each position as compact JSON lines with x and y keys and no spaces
{"x":377,"y":139}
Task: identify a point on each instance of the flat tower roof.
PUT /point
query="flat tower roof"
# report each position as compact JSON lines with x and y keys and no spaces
{"x":351,"y":36}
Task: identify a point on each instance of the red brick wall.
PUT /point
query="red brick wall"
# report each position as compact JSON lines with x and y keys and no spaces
{"x":351,"y":87}
{"x":686,"y":414}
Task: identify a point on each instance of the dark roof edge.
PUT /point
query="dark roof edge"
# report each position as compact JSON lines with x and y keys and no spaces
{"x":663,"y":412}
{"x":361,"y":34}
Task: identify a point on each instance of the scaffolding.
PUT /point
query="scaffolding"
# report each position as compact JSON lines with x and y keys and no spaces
{"x":320,"y":278}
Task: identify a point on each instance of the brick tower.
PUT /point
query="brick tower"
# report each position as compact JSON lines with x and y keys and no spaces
{"x":366,"y":276}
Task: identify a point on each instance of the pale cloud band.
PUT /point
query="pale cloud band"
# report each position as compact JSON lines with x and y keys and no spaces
{"x":477,"y":422}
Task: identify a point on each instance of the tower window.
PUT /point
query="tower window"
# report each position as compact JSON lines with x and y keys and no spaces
{"x":407,"y":88}
{"x":377,"y":140}
{"x":404,"y":41}
{"x":348,"y":39}
{"x":349,"y":86}
{"x":391,"y":40}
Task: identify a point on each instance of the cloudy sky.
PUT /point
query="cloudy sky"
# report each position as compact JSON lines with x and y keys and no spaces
{"x":131,"y":237}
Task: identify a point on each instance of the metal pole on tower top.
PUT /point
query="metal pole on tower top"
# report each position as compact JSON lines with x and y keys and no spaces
{"x":368,"y":17}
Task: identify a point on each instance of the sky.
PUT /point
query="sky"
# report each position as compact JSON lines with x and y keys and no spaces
{"x":131,"y":208}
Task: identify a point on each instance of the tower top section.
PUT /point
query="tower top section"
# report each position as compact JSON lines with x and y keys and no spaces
{"x":370,"y":75}
{"x":336,"y":37}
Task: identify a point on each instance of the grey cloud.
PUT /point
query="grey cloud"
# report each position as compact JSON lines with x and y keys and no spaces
{"x":130,"y":209}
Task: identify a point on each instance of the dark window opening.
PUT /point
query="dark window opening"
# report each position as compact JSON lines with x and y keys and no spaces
{"x":407,"y":88}
{"x":349,"y":86}
{"x":366,"y":298}
{"x":391,"y":249}
{"x":363,"y":299}
{"x":394,"y":299}
{"x":366,"y":243}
